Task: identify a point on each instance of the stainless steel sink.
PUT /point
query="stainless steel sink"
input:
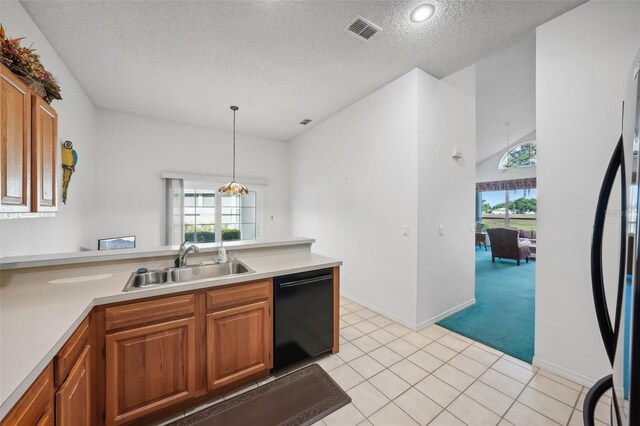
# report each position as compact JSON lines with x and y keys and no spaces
{"x":148,"y":279}
{"x":189,"y":273}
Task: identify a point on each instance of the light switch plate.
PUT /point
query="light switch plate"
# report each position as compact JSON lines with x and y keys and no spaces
{"x":405,"y":230}
{"x":441,"y":229}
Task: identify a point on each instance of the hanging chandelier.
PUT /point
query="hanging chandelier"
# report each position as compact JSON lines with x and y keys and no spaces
{"x":233,"y":187}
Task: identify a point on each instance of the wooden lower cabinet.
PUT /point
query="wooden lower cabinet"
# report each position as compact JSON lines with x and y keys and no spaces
{"x":149,"y":368}
{"x":238,"y":343}
{"x":135,"y":362}
{"x":47,"y":419}
{"x":74,"y":398}
{"x":36,"y":405}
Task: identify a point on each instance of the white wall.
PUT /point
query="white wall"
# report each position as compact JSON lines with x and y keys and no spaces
{"x":446,"y":194}
{"x":353,"y":187}
{"x":506,"y":92}
{"x":583,"y":59}
{"x":133,"y":151}
{"x":73,"y":225}
{"x":384,"y":163}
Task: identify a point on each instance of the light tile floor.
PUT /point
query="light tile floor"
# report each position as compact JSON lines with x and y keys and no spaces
{"x":436,"y":377}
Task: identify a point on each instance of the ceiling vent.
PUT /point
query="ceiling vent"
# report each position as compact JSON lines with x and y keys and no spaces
{"x":362,"y":28}
{"x":305,"y":121}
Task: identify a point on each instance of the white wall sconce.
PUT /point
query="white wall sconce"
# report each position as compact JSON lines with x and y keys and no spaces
{"x":456,"y":154}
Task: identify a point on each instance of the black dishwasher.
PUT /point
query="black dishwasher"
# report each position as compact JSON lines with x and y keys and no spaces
{"x":303,"y":316}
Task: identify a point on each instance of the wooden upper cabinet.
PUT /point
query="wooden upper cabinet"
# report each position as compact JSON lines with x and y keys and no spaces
{"x":36,"y":405}
{"x":149,"y":368}
{"x":15,"y":143}
{"x":28,"y":149}
{"x":238,"y":343}
{"x":73,"y":399}
{"x":44,"y":147}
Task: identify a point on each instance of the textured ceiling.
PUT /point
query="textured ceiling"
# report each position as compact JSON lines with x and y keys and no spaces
{"x":280,"y":61}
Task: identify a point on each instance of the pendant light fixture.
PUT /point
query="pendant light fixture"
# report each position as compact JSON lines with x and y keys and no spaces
{"x":233,"y":187}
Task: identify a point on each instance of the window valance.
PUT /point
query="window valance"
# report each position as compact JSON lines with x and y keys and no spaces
{"x":506,"y":185}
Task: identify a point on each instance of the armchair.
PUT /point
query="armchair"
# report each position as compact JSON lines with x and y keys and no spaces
{"x":505,"y":245}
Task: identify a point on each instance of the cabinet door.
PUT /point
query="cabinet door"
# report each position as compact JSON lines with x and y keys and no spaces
{"x":238,"y":343}
{"x":15,"y":144}
{"x":73,"y":400}
{"x":47,"y":418}
{"x":44,"y":148}
{"x":36,"y":405}
{"x":149,"y":368}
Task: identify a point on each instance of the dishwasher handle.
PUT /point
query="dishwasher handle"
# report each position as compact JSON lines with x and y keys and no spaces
{"x":305,"y":281}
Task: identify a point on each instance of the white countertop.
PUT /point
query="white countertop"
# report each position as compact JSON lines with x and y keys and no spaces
{"x":36,"y":317}
{"x":31,"y":261}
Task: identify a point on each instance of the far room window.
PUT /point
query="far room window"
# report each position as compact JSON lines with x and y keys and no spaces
{"x":211,"y":217}
{"x":198,"y":213}
{"x":515,"y":209}
{"x":238,"y":216}
{"x":523,"y":155}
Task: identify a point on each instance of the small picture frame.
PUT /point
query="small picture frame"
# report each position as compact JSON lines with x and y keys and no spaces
{"x":117,"y":243}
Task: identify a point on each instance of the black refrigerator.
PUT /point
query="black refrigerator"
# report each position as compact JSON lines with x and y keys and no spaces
{"x":616,"y":293}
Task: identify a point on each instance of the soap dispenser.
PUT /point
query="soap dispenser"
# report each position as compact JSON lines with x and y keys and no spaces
{"x":222,"y":254}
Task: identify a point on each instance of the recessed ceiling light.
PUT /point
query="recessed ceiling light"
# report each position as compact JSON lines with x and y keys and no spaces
{"x":423,"y":12}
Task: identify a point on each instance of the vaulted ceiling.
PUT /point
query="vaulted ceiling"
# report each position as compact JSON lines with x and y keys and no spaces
{"x":280,"y":61}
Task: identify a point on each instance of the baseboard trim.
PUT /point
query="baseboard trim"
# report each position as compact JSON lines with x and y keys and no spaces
{"x":426,"y":323}
{"x":563,"y":372}
{"x":382,"y":312}
{"x":408,"y":324}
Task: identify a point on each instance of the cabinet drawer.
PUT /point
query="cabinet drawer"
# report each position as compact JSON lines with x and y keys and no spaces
{"x":71,"y":351}
{"x":148,"y":312}
{"x":36,"y":405}
{"x":241,"y":294}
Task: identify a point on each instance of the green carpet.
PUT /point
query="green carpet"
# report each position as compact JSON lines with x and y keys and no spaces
{"x":503,"y":315}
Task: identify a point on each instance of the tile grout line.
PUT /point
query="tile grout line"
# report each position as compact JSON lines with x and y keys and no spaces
{"x":533,"y":409}
{"x":429,"y":373}
{"x":475,"y":379}
{"x":391,"y":371}
{"x":465,"y":389}
{"x":527,"y":385}
{"x":367,"y":379}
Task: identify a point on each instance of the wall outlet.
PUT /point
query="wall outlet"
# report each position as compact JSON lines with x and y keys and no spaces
{"x":441,"y":229}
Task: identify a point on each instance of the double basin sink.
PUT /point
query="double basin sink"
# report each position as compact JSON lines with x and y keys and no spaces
{"x":146,"y":279}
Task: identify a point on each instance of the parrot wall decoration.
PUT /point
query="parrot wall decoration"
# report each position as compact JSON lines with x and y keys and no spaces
{"x":69,"y":161}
